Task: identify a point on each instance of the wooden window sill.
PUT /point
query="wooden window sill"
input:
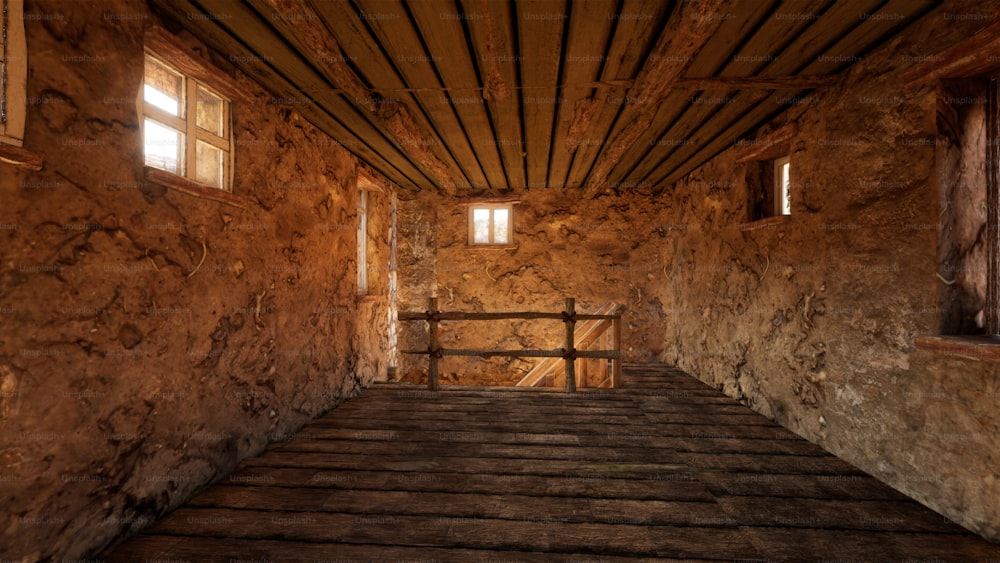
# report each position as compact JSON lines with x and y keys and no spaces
{"x":183,"y":185}
{"x":20,"y":157}
{"x":980,"y":348}
{"x":491,"y":246}
{"x":766,"y":223}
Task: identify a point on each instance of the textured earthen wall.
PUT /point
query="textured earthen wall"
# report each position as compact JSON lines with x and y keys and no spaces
{"x":127,"y":381}
{"x":812,"y":321}
{"x":809,"y":321}
{"x":602,"y":250}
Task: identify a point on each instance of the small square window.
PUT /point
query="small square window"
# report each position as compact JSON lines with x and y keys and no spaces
{"x":185,"y":126}
{"x":490,"y":225}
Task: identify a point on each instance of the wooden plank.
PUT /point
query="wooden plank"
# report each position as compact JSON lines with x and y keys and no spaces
{"x":774,"y":144}
{"x":873,"y":515}
{"x":240,"y":21}
{"x":541,"y":25}
{"x":396,"y":32}
{"x":797,"y":544}
{"x":20,"y":157}
{"x":971,"y":57}
{"x":298,"y":23}
{"x":440,"y":25}
{"x":491,"y":26}
{"x":678,"y":487}
{"x":351,"y":136}
{"x":467,"y":533}
{"x":438,"y":492}
{"x":766,"y":486}
{"x":459,"y":505}
{"x":587,"y":42}
{"x":702,"y":122}
{"x":690,"y":27}
{"x":859,"y":40}
{"x":150,"y":548}
{"x":633,"y":38}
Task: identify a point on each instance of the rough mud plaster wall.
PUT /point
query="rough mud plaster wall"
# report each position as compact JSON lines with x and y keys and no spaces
{"x":812,"y":322}
{"x":126,"y":383}
{"x":596,"y":250}
{"x":961,"y":155}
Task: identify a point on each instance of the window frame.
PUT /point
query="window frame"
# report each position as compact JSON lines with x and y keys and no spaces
{"x":186,"y":125}
{"x":13,"y":73}
{"x":781,"y":188}
{"x":362,"y":243}
{"x":492,"y":207}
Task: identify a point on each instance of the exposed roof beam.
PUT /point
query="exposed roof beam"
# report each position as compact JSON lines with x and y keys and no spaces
{"x":310,"y":31}
{"x":689,"y":29}
{"x":975,"y":56}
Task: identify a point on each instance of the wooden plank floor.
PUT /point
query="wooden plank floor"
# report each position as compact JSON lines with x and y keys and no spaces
{"x":663,"y":469}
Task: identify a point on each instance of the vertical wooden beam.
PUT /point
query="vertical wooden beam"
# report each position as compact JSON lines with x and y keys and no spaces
{"x":993,"y":211}
{"x":616,"y":363}
{"x":569,"y":317}
{"x":433,"y":345}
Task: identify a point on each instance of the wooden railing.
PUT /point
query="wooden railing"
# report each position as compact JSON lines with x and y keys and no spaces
{"x":590,"y":372}
{"x":568,"y":352}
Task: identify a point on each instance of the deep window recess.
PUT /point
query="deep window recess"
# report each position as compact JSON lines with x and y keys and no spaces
{"x":769,"y":183}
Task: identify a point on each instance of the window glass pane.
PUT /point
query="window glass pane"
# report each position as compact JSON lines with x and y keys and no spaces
{"x":163,"y":88}
{"x":163,"y":147}
{"x":500,"y":226}
{"x":481,"y":226}
{"x":786,"y":198}
{"x":210,"y":165}
{"x":211,"y":112}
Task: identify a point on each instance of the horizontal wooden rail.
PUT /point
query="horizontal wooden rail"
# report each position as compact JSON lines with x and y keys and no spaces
{"x":569,"y":352}
{"x":463,"y":316}
{"x":560,"y":353}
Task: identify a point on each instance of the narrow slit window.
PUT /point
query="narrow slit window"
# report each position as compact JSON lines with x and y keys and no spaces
{"x":362,"y":242}
{"x":782,"y":186}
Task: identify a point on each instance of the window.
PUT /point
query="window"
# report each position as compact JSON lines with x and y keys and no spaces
{"x":769,"y":184}
{"x":13,"y":72}
{"x":782,"y":197}
{"x":362,"y":242}
{"x":186,"y":126}
{"x":490,"y":224}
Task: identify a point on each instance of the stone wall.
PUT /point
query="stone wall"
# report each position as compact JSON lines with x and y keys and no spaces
{"x":811,"y":320}
{"x":151,"y":339}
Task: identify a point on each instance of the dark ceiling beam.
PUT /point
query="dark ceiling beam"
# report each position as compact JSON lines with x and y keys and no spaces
{"x":756,"y":83}
{"x":320,"y":113}
{"x":300,"y":23}
{"x":975,"y":56}
{"x":689,"y":29}
{"x":440,"y":27}
{"x":397,"y":33}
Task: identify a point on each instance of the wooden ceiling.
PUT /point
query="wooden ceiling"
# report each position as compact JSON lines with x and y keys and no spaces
{"x":486,"y":96}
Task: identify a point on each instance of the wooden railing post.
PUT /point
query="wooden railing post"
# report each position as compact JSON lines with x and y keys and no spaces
{"x":616,"y":345}
{"x":569,"y":317}
{"x":433,"y":345}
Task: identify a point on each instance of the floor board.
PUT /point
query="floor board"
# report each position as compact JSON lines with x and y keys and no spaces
{"x":665,"y":469}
